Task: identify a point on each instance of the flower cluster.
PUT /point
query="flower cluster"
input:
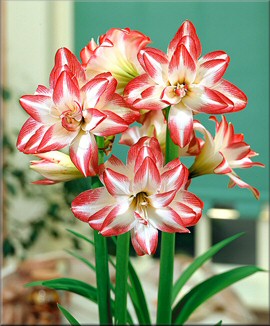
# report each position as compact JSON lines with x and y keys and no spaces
{"x":121,"y":80}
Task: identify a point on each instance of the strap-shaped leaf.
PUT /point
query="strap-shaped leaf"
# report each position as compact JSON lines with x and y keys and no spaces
{"x":137,"y":297}
{"x":69,"y":284}
{"x":198,"y":262}
{"x":81,"y":236}
{"x":205,"y":290}
{"x":82,"y":259}
{"x":72,"y":320}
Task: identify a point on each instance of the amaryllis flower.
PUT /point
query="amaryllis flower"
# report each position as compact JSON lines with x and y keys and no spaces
{"x":116,"y":53}
{"x":56,"y":167}
{"x":142,"y":196}
{"x":68,"y":114}
{"x":224,"y":153}
{"x":186,"y":83}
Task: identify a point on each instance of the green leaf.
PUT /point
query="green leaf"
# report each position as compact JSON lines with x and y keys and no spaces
{"x":69,"y":317}
{"x":199,"y":261}
{"x":81,"y":236}
{"x":82,"y":259}
{"x":205,"y":290}
{"x":219,"y":323}
{"x":137,"y":297}
{"x":68,"y":284}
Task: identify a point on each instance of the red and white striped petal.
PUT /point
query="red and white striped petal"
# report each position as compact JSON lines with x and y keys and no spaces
{"x":182,"y":67}
{"x":163,"y":199}
{"x":31,"y":129}
{"x":165,"y":219}
{"x":235,"y":180}
{"x":92,"y":118}
{"x":116,"y":183}
{"x":112,"y":125}
{"x":209,"y":72}
{"x":144,"y":239}
{"x":56,"y":137}
{"x":180,"y":124}
{"x":190,"y":200}
{"x":120,"y":220}
{"x":38,"y":107}
{"x":233,"y":93}
{"x":120,"y":107}
{"x":96,"y":220}
{"x":65,"y":57}
{"x":224,"y":167}
{"x":155,"y":64}
{"x":203,"y":99}
{"x":65,"y":91}
{"x":118,"y":166}
{"x":186,"y":29}
{"x":147,"y":178}
{"x":43,"y":90}
{"x":98,"y":91}
{"x":90,"y":202}
{"x":150,"y":99}
{"x":84,"y":153}
{"x":174,"y":178}
{"x":190,"y":45}
{"x":187,"y":214}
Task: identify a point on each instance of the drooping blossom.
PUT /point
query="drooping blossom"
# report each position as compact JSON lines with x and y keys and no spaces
{"x":70,"y":113}
{"x":56,"y":167}
{"x":224,"y":153}
{"x":143,"y":196}
{"x":117,"y":53}
{"x":187,"y":83}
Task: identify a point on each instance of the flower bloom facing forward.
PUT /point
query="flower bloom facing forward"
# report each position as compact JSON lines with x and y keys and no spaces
{"x":224,"y":153}
{"x":142,"y":196}
{"x":186,"y":83}
{"x":56,"y":167}
{"x":70,"y":113}
{"x":116,"y":53}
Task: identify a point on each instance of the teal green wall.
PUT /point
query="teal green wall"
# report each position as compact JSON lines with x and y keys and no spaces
{"x":239,"y":28}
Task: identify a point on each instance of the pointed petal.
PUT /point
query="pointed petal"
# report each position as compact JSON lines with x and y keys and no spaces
{"x":84,"y":153}
{"x":180,"y":124}
{"x":92,"y":118}
{"x":186,"y":29}
{"x":65,"y":91}
{"x":212,"y":68}
{"x":189,"y":199}
{"x":56,"y":137}
{"x":112,"y":125}
{"x":38,"y":107}
{"x":165,"y":219}
{"x":116,"y":183}
{"x":65,"y":57}
{"x":235,"y":180}
{"x":99,"y":91}
{"x":233,"y":93}
{"x":161,"y":199}
{"x":120,"y":220}
{"x":155,"y":63}
{"x":90,"y":202}
{"x":187,"y":214}
{"x":118,"y":106}
{"x":174,"y":178}
{"x":145,"y":238}
{"x":182,"y":67}
{"x":147,"y":178}
{"x":204,"y":99}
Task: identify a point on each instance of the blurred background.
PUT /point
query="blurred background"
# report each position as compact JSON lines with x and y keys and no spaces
{"x":35,"y":218}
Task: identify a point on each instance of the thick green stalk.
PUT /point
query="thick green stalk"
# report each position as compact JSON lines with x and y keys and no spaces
{"x":121,"y":287}
{"x":102,"y":266}
{"x":164,"y":309}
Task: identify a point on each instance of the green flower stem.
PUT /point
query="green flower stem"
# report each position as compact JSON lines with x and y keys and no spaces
{"x":102,"y":266}
{"x":122,"y":259}
{"x":164,"y":309}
